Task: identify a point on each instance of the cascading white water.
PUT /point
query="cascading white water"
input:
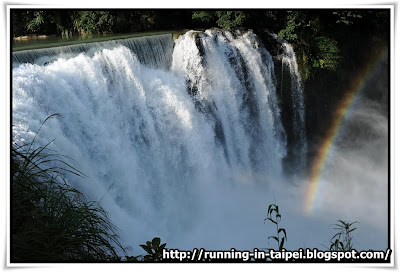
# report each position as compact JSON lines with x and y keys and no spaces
{"x":298,"y":124}
{"x":178,"y":147}
{"x":232,"y":82}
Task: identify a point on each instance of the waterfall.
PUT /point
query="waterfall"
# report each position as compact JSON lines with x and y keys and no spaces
{"x":231,"y":79}
{"x":298,"y":111}
{"x":180,"y":133}
{"x":154,"y":51}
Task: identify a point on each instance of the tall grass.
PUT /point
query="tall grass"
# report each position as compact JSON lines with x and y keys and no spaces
{"x":50,"y":220}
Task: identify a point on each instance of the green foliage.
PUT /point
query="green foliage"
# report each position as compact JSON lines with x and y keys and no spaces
{"x":67,"y":22}
{"x":94,"y":22}
{"x":294,"y":20}
{"x":327,"y":53}
{"x":275,"y":217}
{"x":314,"y":41}
{"x":51,"y":221}
{"x":204,"y":16}
{"x":227,"y":20}
{"x":347,"y":17}
{"x":154,"y":250}
{"x":35,"y":24}
{"x":300,"y":26}
{"x":38,"y":22}
{"x":342,"y":240}
{"x":230,"y":20}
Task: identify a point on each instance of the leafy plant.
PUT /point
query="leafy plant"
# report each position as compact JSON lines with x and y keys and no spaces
{"x":206,"y":16}
{"x":275,"y":217}
{"x":342,"y":240}
{"x":36,"y":22}
{"x":154,"y":250}
{"x":230,"y":20}
{"x":327,"y":53}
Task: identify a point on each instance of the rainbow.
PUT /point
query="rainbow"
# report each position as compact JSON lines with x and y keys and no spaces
{"x":343,"y":109}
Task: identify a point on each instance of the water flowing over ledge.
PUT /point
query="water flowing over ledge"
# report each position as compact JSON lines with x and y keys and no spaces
{"x":154,"y":51}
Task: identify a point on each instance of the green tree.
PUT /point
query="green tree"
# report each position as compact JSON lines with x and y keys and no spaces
{"x":327,"y":53}
{"x":314,"y":40}
{"x":94,"y":22}
{"x":230,"y":20}
{"x":204,"y":16}
{"x":36,"y":22}
{"x":227,"y":20}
